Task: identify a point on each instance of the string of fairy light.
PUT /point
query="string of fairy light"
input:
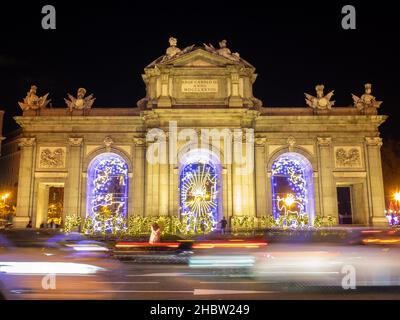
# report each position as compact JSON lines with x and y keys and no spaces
{"x":199,"y":196}
{"x":108,"y":181}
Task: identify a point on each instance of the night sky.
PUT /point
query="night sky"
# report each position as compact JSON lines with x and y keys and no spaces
{"x":105,"y":46}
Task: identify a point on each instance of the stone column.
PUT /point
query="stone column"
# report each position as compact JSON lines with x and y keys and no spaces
{"x":251,"y":169}
{"x":245,"y":189}
{"x":155,"y":189}
{"x":260,"y":173}
{"x":83,"y":209}
{"x":317,"y":195}
{"x":224,"y":197}
{"x":174,"y":197}
{"x":73,"y":186}
{"x":42,"y":204}
{"x":227,"y":180}
{"x":138,"y":191}
{"x":243,"y":176}
{"x":163,"y":196}
{"x":236,"y":182}
{"x":153,"y":186}
{"x":148,"y":186}
{"x":375,"y":181}
{"x":25,"y":182}
{"x":327,"y":183}
{"x":268,"y":193}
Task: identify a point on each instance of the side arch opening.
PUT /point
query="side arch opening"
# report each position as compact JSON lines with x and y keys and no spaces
{"x":107,"y":192}
{"x":293,"y":189}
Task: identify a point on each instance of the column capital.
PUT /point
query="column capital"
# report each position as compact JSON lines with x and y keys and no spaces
{"x":324,"y":141}
{"x":26,"y":142}
{"x":260,"y":142}
{"x":373,"y":141}
{"x":75,"y":141}
{"x":139,"y":142}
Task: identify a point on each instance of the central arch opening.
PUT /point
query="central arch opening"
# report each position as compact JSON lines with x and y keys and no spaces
{"x":199,"y":190}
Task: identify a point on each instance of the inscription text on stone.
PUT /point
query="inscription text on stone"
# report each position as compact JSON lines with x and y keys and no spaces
{"x":199,"y":86}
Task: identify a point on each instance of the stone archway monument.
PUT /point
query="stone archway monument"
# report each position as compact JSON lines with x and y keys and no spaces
{"x":202,"y":88}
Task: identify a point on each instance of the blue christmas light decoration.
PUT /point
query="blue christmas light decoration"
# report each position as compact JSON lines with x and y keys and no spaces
{"x":289,"y":186}
{"x":199,"y":196}
{"x":108,"y":192}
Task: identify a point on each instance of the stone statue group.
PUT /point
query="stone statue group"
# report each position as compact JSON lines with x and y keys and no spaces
{"x":323,"y":102}
{"x":34,"y":102}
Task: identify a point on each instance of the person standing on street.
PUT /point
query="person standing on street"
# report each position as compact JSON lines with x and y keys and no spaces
{"x":155,"y":233}
{"x":223,"y":224}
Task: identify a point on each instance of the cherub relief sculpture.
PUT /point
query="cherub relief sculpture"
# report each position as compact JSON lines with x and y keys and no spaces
{"x":80,"y":102}
{"x":366,"y":101}
{"x":33,"y":101}
{"x":321,"y":101}
{"x":223,"y":51}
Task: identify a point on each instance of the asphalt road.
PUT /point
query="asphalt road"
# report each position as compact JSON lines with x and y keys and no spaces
{"x":166,"y":281}
{"x":302,"y":264}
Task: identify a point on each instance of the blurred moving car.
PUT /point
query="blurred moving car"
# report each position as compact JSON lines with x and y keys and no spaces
{"x":330,"y":265}
{"x":225,"y":257}
{"x":46,"y":264}
{"x":212,"y":253}
{"x":384,"y":237}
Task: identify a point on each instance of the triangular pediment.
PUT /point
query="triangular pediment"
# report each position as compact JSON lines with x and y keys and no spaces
{"x":199,"y":57}
{"x":199,"y":63}
{"x":202,"y":58}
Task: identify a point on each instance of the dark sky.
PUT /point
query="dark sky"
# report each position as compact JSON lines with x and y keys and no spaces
{"x":294,"y":46}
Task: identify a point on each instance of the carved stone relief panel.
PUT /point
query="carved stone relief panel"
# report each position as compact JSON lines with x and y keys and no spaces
{"x":348,"y":157}
{"x":52,"y":157}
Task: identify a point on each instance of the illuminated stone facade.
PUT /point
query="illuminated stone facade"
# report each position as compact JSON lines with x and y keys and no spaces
{"x":193,"y":89}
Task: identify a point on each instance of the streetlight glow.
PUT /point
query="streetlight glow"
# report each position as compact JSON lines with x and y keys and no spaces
{"x":5,"y":196}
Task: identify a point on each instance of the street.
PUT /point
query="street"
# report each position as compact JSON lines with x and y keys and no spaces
{"x":48,"y":265}
{"x":298,"y":271}
{"x":150,"y":282}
